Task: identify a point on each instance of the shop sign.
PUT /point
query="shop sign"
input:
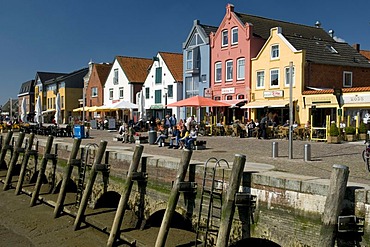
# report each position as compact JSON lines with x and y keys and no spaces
{"x":227,"y":90}
{"x":319,"y":100}
{"x":355,"y":99}
{"x":208,"y":93}
{"x":273,"y":94}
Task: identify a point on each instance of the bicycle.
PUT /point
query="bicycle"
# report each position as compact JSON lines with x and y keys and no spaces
{"x":366,"y":155}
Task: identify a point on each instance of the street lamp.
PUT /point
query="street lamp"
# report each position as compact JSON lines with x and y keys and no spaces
{"x":291,"y":110}
{"x":165,"y":101}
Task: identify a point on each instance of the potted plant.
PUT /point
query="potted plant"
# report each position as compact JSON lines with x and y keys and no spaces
{"x":333,"y":136}
{"x":350,"y":133}
{"x":362,"y":130}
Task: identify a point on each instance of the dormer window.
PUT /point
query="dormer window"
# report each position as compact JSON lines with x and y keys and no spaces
{"x":275,"y":52}
{"x":225,"y":38}
{"x":331,"y":49}
{"x":234,"y":36}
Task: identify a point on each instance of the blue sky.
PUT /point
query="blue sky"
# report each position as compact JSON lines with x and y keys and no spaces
{"x":62,"y":36}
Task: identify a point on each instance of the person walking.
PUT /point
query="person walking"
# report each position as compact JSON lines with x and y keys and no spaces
{"x":263,"y":126}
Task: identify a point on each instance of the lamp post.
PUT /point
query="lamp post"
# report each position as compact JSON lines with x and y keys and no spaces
{"x":291,"y":110}
{"x":165,"y":101}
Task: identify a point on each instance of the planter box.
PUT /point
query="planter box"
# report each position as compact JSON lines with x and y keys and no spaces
{"x":351,"y":138}
{"x":362,"y":136}
{"x":334,"y":139}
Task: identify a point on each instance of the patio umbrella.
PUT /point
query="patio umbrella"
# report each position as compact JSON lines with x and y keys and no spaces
{"x":198,"y":101}
{"x":125,"y":105}
{"x":24,"y":111}
{"x":141,"y":105}
{"x":38,"y":110}
{"x":58,"y":110}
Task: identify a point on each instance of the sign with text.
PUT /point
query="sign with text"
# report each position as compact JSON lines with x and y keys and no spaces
{"x":356,"y":99}
{"x":273,"y":94}
{"x":227,"y":90}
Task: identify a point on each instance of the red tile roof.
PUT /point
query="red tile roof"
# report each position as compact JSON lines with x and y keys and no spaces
{"x":174,"y":63}
{"x":365,"y":54}
{"x":136,"y":69}
{"x":103,"y":70}
{"x":344,"y":90}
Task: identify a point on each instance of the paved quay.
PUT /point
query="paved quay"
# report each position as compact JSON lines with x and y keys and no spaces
{"x":258,"y":152}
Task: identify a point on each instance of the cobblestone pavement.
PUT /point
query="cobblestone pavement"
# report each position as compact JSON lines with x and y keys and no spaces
{"x":323,"y":155}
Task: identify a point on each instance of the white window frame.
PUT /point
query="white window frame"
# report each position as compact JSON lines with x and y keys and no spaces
{"x":275,"y":51}
{"x":111,"y":93}
{"x":189,"y":60}
{"x":262,"y":82}
{"x":278,"y":78}
{"x":121,"y":92}
{"x":229,"y":70}
{"x":344,"y":78}
{"x":234,"y":31}
{"x":218,"y":65}
{"x":225,"y":34}
{"x":287,"y":76}
{"x":94,"y":92}
{"x":115,"y":77}
{"x":240,"y":69}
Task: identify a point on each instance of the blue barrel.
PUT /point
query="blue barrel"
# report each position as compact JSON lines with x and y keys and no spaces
{"x":79,"y":131}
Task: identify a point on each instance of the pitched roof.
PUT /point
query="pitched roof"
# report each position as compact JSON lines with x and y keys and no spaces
{"x":317,"y":43}
{"x":136,"y":69}
{"x":27,"y":87}
{"x":44,"y":76}
{"x":174,"y":63}
{"x":103,"y":69}
{"x":365,"y":54}
{"x":66,"y":76}
{"x":208,"y":29}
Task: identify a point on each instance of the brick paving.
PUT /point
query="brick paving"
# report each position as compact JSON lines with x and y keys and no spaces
{"x":323,"y":155}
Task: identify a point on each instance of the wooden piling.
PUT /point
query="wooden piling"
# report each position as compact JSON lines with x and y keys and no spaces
{"x":67,"y":174}
{"x":89,"y":185}
{"x":4,"y":149}
{"x":174,"y":197}
{"x":36,"y":192}
{"x":24,"y":164}
{"x":228,"y":206}
{"x":13,"y":161}
{"x":333,"y":205}
{"x":125,"y":195}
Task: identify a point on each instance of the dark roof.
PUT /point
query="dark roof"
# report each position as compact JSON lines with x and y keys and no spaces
{"x":208,"y":29}
{"x":27,"y":87}
{"x":45,"y":76}
{"x":315,"y":41}
{"x":66,"y":76}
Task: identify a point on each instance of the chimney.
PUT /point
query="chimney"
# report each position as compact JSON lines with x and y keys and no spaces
{"x":356,"y":47}
{"x":196,"y":22}
{"x":331,"y":33}
{"x":317,"y":24}
{"x":230,"y":8}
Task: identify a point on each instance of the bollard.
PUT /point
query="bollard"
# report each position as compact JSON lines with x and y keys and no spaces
{"x":307,"y":152}
{"x":275,"y":149}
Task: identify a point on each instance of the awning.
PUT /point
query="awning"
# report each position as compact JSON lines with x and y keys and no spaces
{"x":266,"y":103}
{"x":235,"y":102}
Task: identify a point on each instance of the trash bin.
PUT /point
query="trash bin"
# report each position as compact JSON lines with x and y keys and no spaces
{"x":79,"y":131}
{"x":152,"y":137}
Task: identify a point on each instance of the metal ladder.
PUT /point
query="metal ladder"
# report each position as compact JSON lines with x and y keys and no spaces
{"x":212,"y":193}
{"x":87,"y":160}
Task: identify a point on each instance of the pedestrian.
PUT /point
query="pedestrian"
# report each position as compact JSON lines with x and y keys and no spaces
{"x":263,"y":126}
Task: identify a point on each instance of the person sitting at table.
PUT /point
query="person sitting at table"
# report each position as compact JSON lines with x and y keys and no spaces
{"x":162,"y":136}
{"x":183,"y":135}
{"x":250,"y":127}
{"x":189,"y":141}
{"x":174,"y":137}
{"x":123,"y":132}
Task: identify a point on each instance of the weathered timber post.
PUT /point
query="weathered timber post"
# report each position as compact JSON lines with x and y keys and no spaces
{"x":67,"y":174}
{"x":17,"y":150}
{"x":42,"y":169}
{"x":174,"y":197}
{"x":54,"y":168}
{"x":5,"y":148}
{"x":90,"y":184}
{"x":246,"y":205}
{"x":125,"y":195}
{"x":142,"y":184}
{"x":26,"y":158}
{"x":190,"y":196}
{"x":228,"y":206}
{"x":333,"y":205}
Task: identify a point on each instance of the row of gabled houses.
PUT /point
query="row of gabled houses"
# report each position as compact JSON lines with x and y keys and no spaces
{"x":247,"y":62}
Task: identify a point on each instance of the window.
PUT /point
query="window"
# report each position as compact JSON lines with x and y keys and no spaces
{"x":196,"y":40}
{"x":229,"y":97}
{"x":234,"y":36}
{"x":115,"y":78}
{"x":274,"y":51}
{"x":170,"y":91}
{"x":111,"y":93}
{"x":225,"y":38}
{"x":158,"y":75}
{"x":218,"y":72}
{"x":94,"y":92}
{"x":189,"y":60}
{"x":191,"y":87}
{"x":121,"y":92}
{"x":229,"y":70}
{"x":204,"y":78}
{"x":158,"y":96}
{"x":347,"y":79}
{"x":287,"y":76}
{"x":217,"y":98}
{"x":147,"y":93}
{"x":241,"y":68}
{"x":274,"y":78}
{"x":62,"y":102}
